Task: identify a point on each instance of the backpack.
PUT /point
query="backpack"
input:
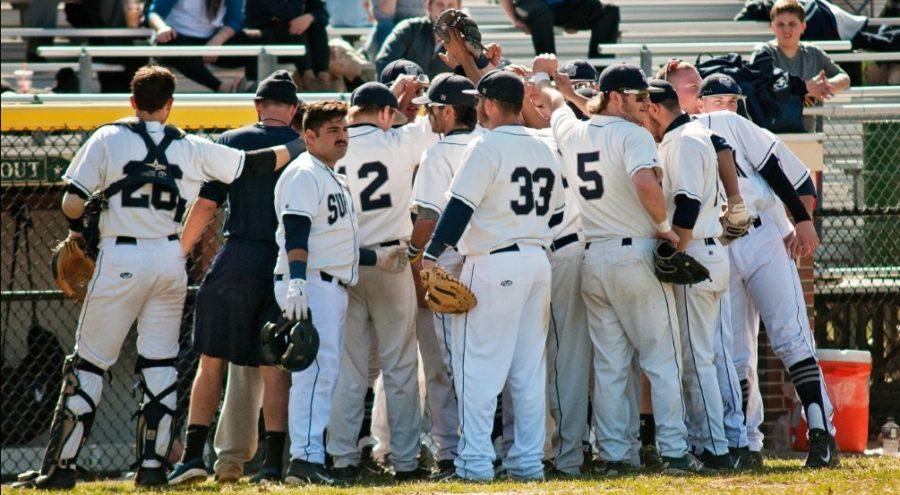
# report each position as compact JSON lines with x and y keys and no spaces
{"x":774,"y":97}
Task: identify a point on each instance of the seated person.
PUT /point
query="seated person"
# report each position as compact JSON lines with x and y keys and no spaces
{"x":295,"y":22}
{"x":823,"y":77}
{"x":202,"y":22}
{"x":537,"y":18}
{"x":415,"y":40}
{"x":387,"y":14}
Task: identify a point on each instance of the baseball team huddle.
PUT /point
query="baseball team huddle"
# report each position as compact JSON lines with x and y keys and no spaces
{"x":551,"y":200}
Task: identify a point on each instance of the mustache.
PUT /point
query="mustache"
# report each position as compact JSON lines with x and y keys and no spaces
{"x":340,"y":143}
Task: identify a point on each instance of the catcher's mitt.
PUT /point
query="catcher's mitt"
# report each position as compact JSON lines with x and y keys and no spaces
{"x":72,"y":269}
{"x":735,"y":222}
{"x":462,"y":23}
{"x":445,"y":294}
{"x":676,"y":267}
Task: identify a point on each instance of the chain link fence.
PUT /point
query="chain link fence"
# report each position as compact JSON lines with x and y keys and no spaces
{"x":857,"y":271}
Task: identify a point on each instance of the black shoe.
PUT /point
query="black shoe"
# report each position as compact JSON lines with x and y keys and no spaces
{"x":266,"y":475}
{"x":57,"y":479}
{"x":346,"y":474}
{"x":613,"y":468}
{"x":149,"y":477}
{"x":716,"y":462}
{"x":741,"y":458}
{"x":756,"y":460}
{"x":419,"y":473}
{"x":823,"y":451}
{"x":443,"y":470}
{"x":309,"y":473}
{"x":650,"y":458}
{"x":686,"y":464}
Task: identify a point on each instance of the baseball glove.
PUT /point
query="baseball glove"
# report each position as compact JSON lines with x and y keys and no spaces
{"x":676,"y":267}
{"x":446,"y":294}
{"x":72,"y":269}
{"x":462,"y":23}
{"x":735,"y":222}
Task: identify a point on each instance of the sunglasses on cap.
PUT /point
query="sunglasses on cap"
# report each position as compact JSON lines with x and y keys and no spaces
{"x":639,"y":94}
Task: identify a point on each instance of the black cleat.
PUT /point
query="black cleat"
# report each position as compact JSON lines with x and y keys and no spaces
{"x":419,"y":473}
{"x":443,"y":470}
{"x":346,"y":474}
{"x":823,"y":451}
{"x":148,"y":477}
{"x":650,"y":458}
{"x":686,"y":464}
{"x":741,"y":458}
{"x":309,"y":473}
{"x":57,"y":479}
{"x":266,"y":475}
{"x":613,"y":468}
{"x":716,"y":462}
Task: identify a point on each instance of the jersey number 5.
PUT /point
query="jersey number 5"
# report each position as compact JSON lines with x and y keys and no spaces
{"x":590,"y":176}
{"x":527,"y":201}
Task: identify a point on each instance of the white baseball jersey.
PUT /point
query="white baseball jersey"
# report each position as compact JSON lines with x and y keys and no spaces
{"x":311,"y":189}
{"x":149,"y":211}
{"x":753,"y":146}
{"x":513,"y":182}
{"x":571,"y":222}
{"x":690,"y":167}
{"x":379,"y":168}
{"x":600,"y":156}
{"x":438,"y":165}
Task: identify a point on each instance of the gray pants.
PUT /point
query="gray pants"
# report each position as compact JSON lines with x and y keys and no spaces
{"x":237,"y":434}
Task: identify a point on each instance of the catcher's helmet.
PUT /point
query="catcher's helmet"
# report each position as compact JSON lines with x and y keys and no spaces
{"x":291,"y":345}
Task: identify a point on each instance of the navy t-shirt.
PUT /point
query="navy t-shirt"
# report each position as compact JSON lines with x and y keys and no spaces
{"x":251,"y":204}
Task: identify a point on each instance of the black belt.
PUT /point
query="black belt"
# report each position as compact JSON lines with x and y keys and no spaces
{"x":626,"y":241}
{"x":390,"y":243}
{"x":563,"y":242}
{"x":757,"y":223}
{"x":122,"y":239}
{"x":710,"y":241}
{"x":324,"y":276}
{"x":508,"y":249}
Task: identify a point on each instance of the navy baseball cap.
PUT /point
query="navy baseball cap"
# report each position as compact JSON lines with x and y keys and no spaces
{"x":279,"y":86}
{"x":448,"y":89}
{"x":667,"y":92}
{"x":400,"y":67}
{"x":373,"y":93}
{"x":719,"y":84}
{"x":500,"y":85}
{"x":627,"y":78}
{"x":580,"y":71}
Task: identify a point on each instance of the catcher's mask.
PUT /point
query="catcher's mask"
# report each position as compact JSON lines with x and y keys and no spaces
{"x":291,"y":345}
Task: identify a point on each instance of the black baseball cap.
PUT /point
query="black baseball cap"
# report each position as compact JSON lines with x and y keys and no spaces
{"x":500,"y":85}
{"x":373,"y":93}
{"x":719,"y":84}
{"x":448,"y":89}
{"x":580,"y":71}
{"x":667,"y":91}
{"x":279,"y":86}
{"x":400,"y":67}
{"x":626,"y":78}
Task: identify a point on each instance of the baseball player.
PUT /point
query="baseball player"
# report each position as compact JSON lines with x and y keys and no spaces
{"x":508,"y":192}
{"x":612,"y":163}
{"x":402,"y":67}
{"x":379,"y":169}
{"x":694,"y":199}
{"x":235,"y":299}
{"x":452,"y":114}
{"x":763,"y":270}
{"x":149,"y":174}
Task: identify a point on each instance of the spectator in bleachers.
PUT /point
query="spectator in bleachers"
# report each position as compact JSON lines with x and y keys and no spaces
{"x":823,"y":77}
{"x":538,"y":17}
{"x":298,"y":22}
{"x":349,"y":13}
{"x":202,"y":22}
{"x":38,"y":14}
{"x":415,"y":40}
{"x":387,"y":14}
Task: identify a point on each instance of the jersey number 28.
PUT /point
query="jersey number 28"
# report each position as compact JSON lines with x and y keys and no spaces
{"x":527,"y":201}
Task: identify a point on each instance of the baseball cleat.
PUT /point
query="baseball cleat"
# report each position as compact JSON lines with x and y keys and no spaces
{"x":346,"y":473}
{"x":741,"y":458}
{"x":266,"y":475}
{"x":419,"y":473}
{"x":309,"y":473}
{"x":191,"y":471}
{"x":148,"y":477}
{"x":57,"y":479}
{"x":650,"y":458}
{"x":716,"y":462}
{"x":823,"y":451}
{"x":443,"y":470}
{"x":613,"y":468}
{"x":686,"y":464}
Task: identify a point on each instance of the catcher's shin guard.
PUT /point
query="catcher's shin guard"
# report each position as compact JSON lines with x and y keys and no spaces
{"x":156,"y":413}
{"x":74,"y":415}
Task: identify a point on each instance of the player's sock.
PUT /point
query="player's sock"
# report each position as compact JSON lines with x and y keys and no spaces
{"x":194,"y":442}
{"x":275,"y":449}
{"x":648,"y":429}
{"x":807,"y":378}
{"x":745,"y":396}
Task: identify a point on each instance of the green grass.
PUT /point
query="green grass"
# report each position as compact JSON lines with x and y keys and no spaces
{"x":856,"y":476}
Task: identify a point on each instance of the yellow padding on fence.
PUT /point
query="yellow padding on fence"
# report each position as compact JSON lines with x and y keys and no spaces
{"x":52,"y":116}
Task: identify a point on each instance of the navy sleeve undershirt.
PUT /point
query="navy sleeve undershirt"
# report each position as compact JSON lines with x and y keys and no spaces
{"x":686,"y":212}
{"x":781,"y":185}
{"x":450,"y":228}
{"x":296,"y":236}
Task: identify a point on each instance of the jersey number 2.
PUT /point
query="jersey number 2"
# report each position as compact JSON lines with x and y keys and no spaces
{"x":366,"y":200}
{"x":527,"y":201}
